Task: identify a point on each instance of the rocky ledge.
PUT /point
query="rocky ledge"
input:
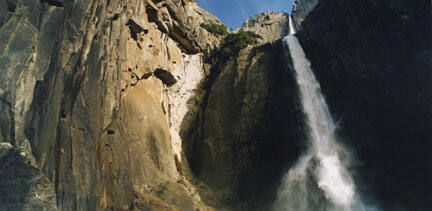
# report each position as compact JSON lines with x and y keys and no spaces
{"x":270,"y":25}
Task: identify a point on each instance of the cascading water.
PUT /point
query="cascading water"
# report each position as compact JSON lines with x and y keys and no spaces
{"x":320,"y":180}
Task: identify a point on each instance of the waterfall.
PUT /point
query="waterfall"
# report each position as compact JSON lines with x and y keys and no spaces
{"x":320,"y":179}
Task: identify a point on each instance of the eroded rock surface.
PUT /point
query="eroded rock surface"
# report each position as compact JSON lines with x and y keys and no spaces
{"x":185,"y":26}
{"x":86,"y":89}
{"x":113,"y":104}
{"x":271,"y":26}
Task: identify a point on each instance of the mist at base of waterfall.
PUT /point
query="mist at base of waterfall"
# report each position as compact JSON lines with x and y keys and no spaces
{"x":314,"y":184}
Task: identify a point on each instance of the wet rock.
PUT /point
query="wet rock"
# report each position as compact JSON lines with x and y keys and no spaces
{"x":372,"y":60}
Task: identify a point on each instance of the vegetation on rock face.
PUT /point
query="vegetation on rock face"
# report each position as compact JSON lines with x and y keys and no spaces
{"x":234,"y":42}
{"x":219,"y":29}
{"x":231,"y":45}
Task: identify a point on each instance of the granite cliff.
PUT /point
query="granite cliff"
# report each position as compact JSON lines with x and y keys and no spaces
{"x":301,"y":10}
{"x":92,"y":95}
{"x":124,"y":105}
{"x":117,"y":105}
{"x":271,"y":26}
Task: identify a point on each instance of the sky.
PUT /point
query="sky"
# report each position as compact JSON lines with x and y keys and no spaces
{"x":234,"y":12}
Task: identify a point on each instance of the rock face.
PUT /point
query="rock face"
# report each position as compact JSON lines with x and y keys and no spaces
{"x":271,"y":26}
{"x":240,"y":144}
{"x":185,"y":28}
{"x":110,"y":105}
{"x":22,"y":186}
{"x":374,"y":61}
{"x":88,"y":94}
{"x":301,"y":10}
{"x":115,"y":105}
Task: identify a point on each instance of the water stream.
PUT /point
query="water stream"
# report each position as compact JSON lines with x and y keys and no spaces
{"x":320,"y":179}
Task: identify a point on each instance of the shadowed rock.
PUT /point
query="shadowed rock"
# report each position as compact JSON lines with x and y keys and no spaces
{"x":134,"y":27}
{"x":53,"y":3}
{"x":165,"y":76}
{"x":22,"y":186}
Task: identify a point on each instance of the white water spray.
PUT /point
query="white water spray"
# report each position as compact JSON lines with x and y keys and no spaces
{"x":320,"y":180}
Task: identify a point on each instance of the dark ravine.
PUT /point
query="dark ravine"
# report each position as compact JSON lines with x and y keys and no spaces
{"x":374,"y":61}
{"x":116,"y":105}
{"x":242,"y":146}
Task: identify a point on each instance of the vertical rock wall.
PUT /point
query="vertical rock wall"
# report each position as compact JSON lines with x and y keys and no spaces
{"x":249,"y":126}
{"x":89,"y":96}
{"x":301,"y":9}
{"x":374,"y":61}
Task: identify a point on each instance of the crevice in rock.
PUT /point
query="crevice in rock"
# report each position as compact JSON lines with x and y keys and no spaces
{"x":178,"y":164}
{"x":8,"y":109}
{"x":136,"y":79}
{"x":152,"y":12}
{"x":146,"y":75}
{"x":185,"y":44}
{"x":163,"y":107}
{"x":11,"y":7}
{"x":165,"y":76}
{"x":135,"y":29}
{"x":62,"y":114}
{"x":115,"y":17}
{"x":53,"y":3}
{"x":153,"y":16}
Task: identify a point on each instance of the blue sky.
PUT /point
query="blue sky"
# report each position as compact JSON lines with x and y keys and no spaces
{"x":234,"y":12}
